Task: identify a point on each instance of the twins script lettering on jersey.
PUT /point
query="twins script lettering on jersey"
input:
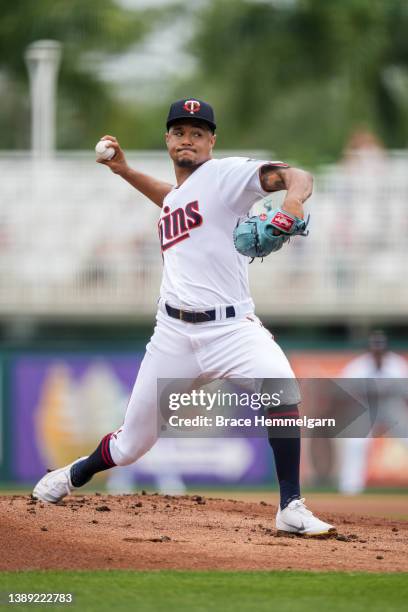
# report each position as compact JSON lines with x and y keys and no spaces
{"x":175,"y":225}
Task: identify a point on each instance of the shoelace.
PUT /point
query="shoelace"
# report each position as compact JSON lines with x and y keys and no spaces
{"x":299,"y":504}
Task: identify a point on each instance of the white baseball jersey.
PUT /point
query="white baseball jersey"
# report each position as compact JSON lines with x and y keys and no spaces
{"x":201,"y":265}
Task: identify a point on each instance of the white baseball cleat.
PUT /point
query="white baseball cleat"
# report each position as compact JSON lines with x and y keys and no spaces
{"x":55,"y":485}
{"x":297,"y":519}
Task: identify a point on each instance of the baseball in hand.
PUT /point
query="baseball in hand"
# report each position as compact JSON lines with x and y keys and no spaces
{"x":104,"y":150}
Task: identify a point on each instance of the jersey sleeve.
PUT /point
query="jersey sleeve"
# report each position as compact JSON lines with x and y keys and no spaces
{"x":240,"y":184}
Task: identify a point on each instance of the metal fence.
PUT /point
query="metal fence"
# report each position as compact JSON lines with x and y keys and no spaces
{"x":75,"y":240}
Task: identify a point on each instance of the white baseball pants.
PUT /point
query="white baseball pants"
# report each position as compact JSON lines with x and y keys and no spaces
{"x":228,"y":348}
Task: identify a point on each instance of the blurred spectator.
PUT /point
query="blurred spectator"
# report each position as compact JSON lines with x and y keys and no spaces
{"x":363,"y":147}
{"x":378,"y":363}
{"x":357,"y":238}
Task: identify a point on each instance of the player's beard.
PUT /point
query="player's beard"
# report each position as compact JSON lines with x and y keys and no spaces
{"x":187,"y":163}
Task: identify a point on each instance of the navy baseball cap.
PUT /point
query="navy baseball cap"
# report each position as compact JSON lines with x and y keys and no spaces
{"x":191,"y":108}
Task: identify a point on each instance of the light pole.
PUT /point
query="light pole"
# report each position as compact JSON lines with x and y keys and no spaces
{"x":43,"y":60}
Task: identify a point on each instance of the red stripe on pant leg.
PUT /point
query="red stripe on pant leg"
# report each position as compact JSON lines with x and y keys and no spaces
{"x":106,"y":451}
{"x":109,"y":452}
{"x":105,"y":455}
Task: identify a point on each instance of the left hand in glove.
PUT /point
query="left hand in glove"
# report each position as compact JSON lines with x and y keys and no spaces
{"x":260,"y":235}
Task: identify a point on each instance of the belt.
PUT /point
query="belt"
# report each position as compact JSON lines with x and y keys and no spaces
{"x":200,"y":316}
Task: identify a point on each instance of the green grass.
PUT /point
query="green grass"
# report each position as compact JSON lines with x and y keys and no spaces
{"x":165,"y":591}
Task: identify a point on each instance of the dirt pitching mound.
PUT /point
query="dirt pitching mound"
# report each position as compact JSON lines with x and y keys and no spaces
{"x":145,"y":532}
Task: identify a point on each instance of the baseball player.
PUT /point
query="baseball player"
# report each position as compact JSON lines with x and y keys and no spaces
{"x":385,"y":366}
{"x":205,"y":321}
